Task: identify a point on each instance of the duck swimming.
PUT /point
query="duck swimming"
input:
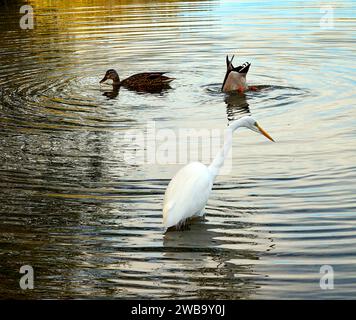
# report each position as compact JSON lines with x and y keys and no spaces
{"x":146,"y":81}
{"x":235,"y":78}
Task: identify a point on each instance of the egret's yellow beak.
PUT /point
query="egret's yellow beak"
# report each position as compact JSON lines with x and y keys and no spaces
{"x":264,"y":132}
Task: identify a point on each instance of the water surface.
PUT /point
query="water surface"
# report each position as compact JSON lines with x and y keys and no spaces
{"x":89,"y":222}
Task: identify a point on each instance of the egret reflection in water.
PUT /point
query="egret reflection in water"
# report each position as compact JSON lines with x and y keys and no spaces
{"x":201,"y":252}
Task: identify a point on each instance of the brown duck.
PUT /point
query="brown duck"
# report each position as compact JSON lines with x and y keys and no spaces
{"x":146,"y":81}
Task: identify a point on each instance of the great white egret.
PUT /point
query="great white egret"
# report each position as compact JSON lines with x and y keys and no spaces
{"x":189,"y":190}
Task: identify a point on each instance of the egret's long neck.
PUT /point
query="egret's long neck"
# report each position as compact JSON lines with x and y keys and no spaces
{"x":219,"y":159}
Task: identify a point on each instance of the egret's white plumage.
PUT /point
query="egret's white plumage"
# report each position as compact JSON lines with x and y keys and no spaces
{"x":189,"y":190}
{"x":191,"y":182}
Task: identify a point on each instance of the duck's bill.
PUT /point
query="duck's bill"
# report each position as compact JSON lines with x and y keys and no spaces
{"x":103,"y":80}
{"x":262,"y":131}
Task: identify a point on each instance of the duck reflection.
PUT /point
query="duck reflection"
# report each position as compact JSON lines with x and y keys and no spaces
{"x":112,"y":94}
{"x":236,"y":106}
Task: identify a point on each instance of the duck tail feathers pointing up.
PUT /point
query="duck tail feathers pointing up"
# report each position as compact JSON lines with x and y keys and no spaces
{"x":243,"y":68}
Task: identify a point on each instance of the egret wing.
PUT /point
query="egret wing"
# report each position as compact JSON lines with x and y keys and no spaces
{"x":186,"y":194}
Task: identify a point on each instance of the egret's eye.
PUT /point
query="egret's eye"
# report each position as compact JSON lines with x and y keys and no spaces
{"x":256,"y":124}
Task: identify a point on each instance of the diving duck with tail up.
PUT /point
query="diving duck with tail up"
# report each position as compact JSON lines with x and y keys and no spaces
{"x":235,"y":77}
{"x":146,"y":81}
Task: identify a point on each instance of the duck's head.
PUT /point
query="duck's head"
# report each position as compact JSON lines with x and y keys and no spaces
{"x":111,"y":74}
